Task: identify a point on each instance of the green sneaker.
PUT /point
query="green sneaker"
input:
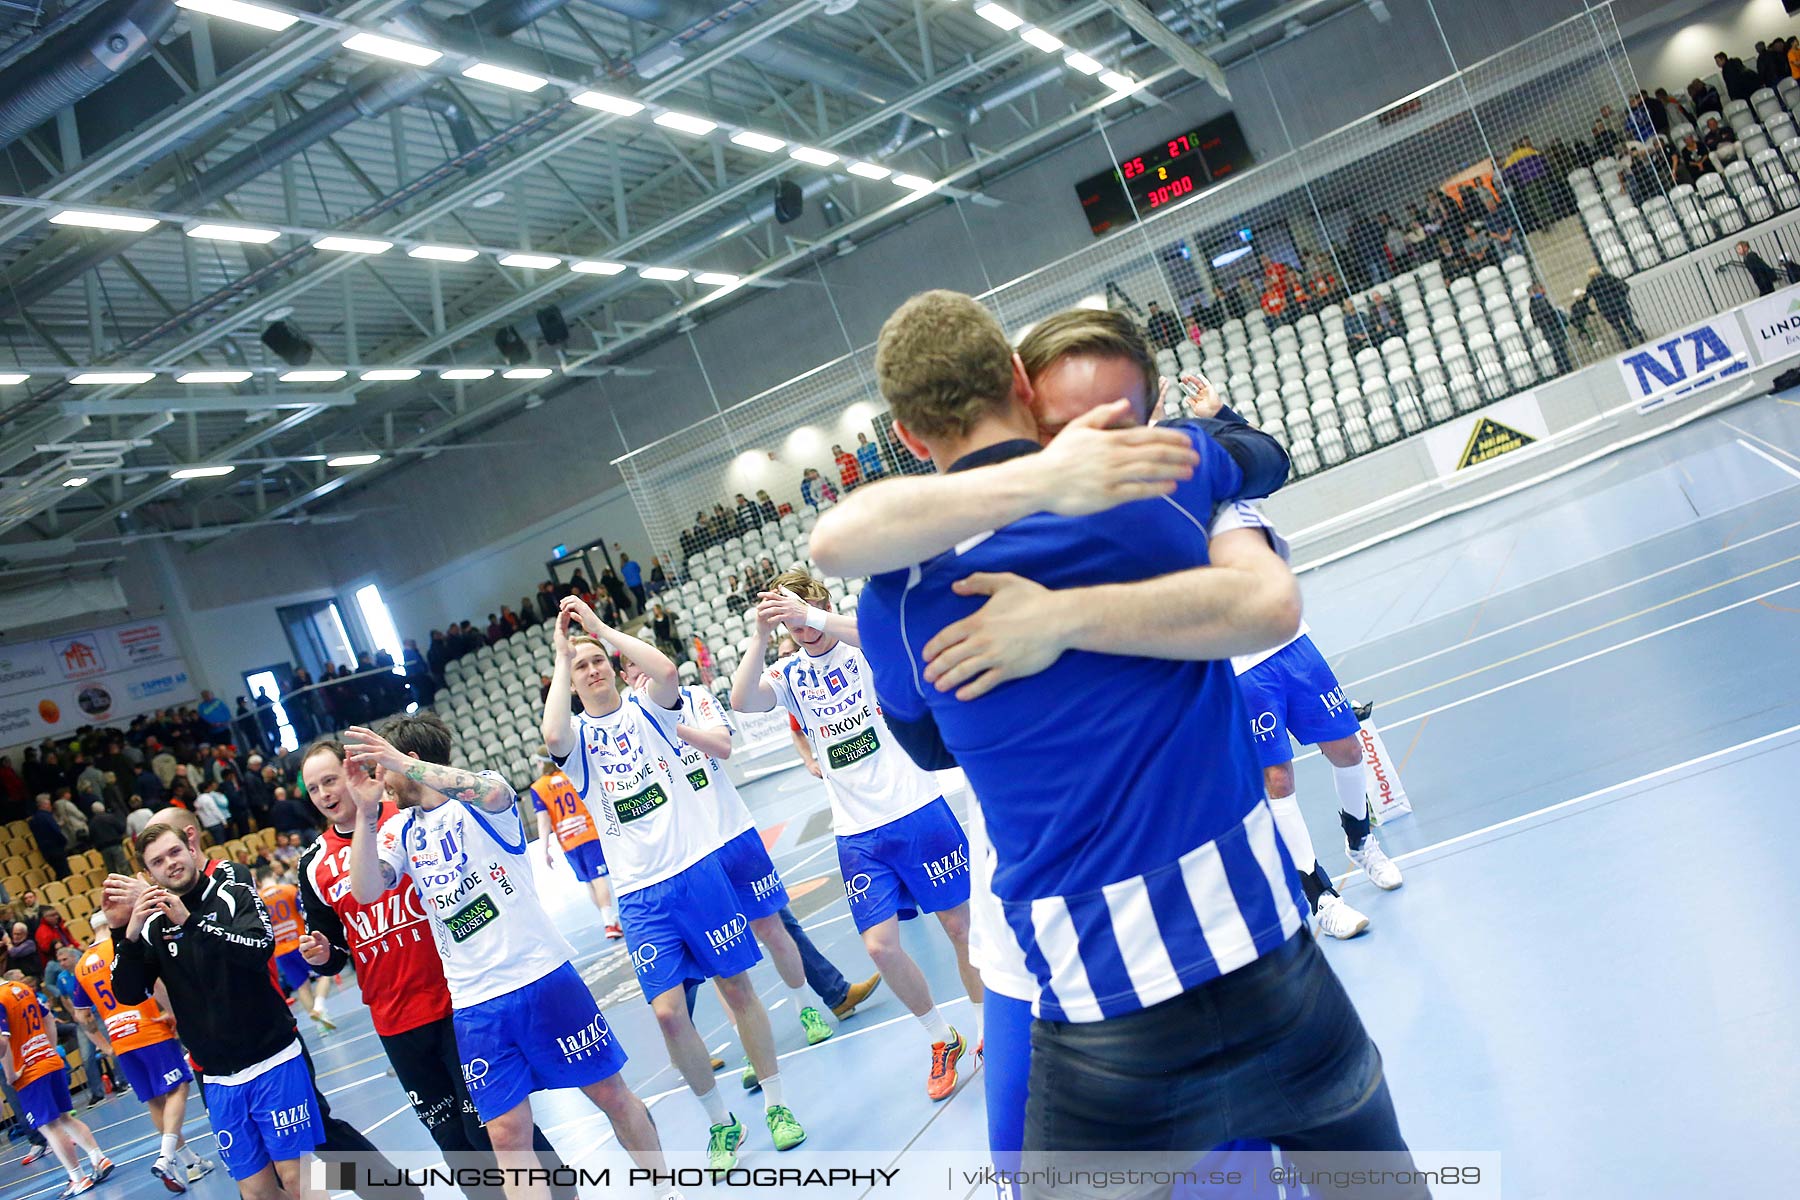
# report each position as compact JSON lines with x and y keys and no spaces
{"x":751,"y":1082}
{"x":722,"y":1144}
{"x":813,"y":1021}
{"x":785,"y":1131}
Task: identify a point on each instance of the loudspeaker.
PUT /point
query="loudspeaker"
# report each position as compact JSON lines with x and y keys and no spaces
{"x":287,"y":343}
{"x":552,"y":326}
{"x":790,"y":201}
{"x":511,"y":346}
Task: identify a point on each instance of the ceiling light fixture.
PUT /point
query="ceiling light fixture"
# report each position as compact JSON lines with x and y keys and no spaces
{"x":528,"y":373}
{"x":9,"y":378}
{"x":716,"y":279}
{"x":353,"y":460}
{"x":327,"y":375}
{"x":532,"y":262}
{"x":751,"y":140}
{"x":662,"y":274}
{"x":443,"y":253}
{"x":91,"y":219}
{"x":201,"y":472}
{"x":394,"y":48}
{"x":466,"y":373}
{"x":352,"y":245}
{"x":233,"y":233}
{"x":868,"y":170}
{"x":594,"y":266}
{"x":618,"y":105}
{"x":271,"y":19}
{"x":75,"y":481}
{"x":684,"y":123}
{"x":1122,"y":85}
{"x":506,"y":77}
{"x":808,"y":154}
{"x":212,"y":377}
{"x":914,"y":183}
{"x":1005,"y":18}
{"x":102,"y":378}
{"x":1048,"y":43}
{"x":1082,"y":63}
{"x":389,"y":374}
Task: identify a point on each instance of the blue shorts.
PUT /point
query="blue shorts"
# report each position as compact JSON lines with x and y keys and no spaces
{"x":271,"y":1118}
{"x":1293,"y":691}
{"x":760,"y":891}
{"x":547,"y":1034}
{"x":293,"y":969}
{"x":916,"y":863}
{"x":690,"y":926}
{"x":588,"y":861}
{"x":156,"y":1069}
{"x":44,"y":1100}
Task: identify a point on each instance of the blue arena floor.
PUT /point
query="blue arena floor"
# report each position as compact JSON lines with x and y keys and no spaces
{"x":1589,"y":689}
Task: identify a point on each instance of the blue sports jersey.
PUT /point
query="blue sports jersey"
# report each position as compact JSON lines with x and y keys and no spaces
{"x":1136,"y":857}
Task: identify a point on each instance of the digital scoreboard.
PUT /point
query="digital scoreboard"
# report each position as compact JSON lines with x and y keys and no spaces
{"x":1189,"y":162}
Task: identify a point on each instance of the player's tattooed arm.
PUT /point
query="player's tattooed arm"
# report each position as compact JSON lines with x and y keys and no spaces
{"x":366,"y":748}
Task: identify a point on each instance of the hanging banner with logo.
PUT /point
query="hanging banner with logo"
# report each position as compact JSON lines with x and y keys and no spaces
{"x":1681,"y":362}
{"x":1387,"y":795}
{"x":1774,"y":323}
{"x":101,"y":676}
{"x":1499,"y":429}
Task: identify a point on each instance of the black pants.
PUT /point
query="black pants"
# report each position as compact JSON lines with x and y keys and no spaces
{"x":1626,"y":328}
{"x":428,"y":1066}
{"x":1274,"y":1050}
{"x":1559,"y":347}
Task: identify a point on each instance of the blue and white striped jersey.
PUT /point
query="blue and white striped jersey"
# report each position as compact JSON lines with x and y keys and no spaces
{"x":1136,"y":856}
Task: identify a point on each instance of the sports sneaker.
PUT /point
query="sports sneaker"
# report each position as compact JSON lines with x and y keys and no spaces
{"x":103,"y":1168}
{"x":785,"y":1131}
{"x":614,"y":933}
{"x":857,"y":994}
{"x":1377,"y":866}
{"x":751,"y":1082}
{"x":1337,"y":919}
{"x":944,"y":1057}
{"x":78,"y":1185}
{"x":199,"y":1169}
{"x":324,"y":1023}
{"x":722,"y":1144}
{"x":174,"y":1178}
{"x":33,"y":1154}
{"x":814,"y":1023}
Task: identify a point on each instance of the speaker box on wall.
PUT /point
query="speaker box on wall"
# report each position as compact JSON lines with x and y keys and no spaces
{"x":511,"y":346}
{"x":790,"y":201}
{"x":287,"y":343}
{"x":552,"y":326}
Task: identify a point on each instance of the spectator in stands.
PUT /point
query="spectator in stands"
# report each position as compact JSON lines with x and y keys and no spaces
{"x":1740,"y":81}
{"x":1793,"y":57}
{"x":724,"y":525}
{"x":1394,"y":243}
{"x":292,"y":815}
{"x":767,"y":573}
{"x":1356,"y":329}
{"x":634,"y":580}
{"x":1383,"y":321}
{"x":662,"y":625}
{"x":816,"y":490}
{"x":1164,"y":329}
{"x":614,"y":587}
{"x":1771,"y":62}
{"x":1704,"y":98}
{"x":1552,"y":324}
{"x":266,"y":725}
{"x":1720,"y":141}
{"x":1367,"y":248}
{"x":52,"y":843}
{"x":1528,"y":175}
{"x":1497,"y":221}
{"x":1673,"y":109}
{"x":107,"y":829}
{"x":1638,"y":125}
{"x":1606,"y":138}
{"x":214,"y":814}
{"x":22,"y":952}
{"x":70,"y":819}
{"x":735,"y":600}
{"x":747,"y":515}
{"x":138,"y":817}
{"x":14,"y":797}
{"x":693,"y":540}
{"x":495,"y":629}
{"x":659,"y":578}
{"x":1640,"y":176}
{"x":868,"y":457}
{"x":1765,"y":277}
{"x":1655,"y":110}
{"x":1611,"y":298}
{"x":849,"y":474}
{"x":52,"y":934}
{"x":547,"y":601}
{"x":766,"y":507}
{"x":1691,"y":160}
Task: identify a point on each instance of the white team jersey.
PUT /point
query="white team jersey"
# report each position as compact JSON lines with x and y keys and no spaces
{"x":1241,"y":514}
{"x":472,"y":872}
{"x":702,"y":776}
{"x":869,"y":778}
{"x":993,"y":950}
{"x":624,"y":766}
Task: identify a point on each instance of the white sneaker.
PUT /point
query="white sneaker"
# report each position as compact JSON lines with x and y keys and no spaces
{"x":1377,"y":866}
{"x":1337,"y":919}
{"x":199,"y":1169}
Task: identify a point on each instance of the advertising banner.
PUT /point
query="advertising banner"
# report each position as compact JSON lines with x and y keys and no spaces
{"x":55,"y":685}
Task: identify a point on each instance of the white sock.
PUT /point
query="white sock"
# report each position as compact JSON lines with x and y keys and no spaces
{"x":975,"y":1021}
{"x":802,"y":997}
{"x":169,"y":1143}
{"x":936,"y":1028}
{"x":187,"y":1156}
{"x":609,"y":915}
{"x":714,"y":1104}
{"x":1351,"y":786}
{"x":1292,"y":827}
{"x":94,"y":1155}
{"x":771,"y":1090}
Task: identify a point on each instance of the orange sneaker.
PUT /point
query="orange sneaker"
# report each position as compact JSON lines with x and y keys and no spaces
{"x":944,"y":1057}
{"x":614,"y":933}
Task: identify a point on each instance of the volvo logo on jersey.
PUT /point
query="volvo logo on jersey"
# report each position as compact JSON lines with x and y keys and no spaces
{"x":583,"y":1043}
{"x":942,"y":870}
{"x":728,"y":934}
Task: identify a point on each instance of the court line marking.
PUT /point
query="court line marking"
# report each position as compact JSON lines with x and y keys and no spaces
{"x":1769,"y":458}
{"x":386,"y":1119}
{"x":354,"y":1083}
{"x":1551,"y":612}
{"x":1785,"y":453}
{"x":1584,"y":797}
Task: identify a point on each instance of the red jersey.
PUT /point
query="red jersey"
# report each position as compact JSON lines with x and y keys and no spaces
{"x":30,"y":1034}
{"x":397,"y":960}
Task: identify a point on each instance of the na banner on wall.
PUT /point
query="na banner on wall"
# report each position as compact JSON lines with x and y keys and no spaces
{"x":53,"y":686}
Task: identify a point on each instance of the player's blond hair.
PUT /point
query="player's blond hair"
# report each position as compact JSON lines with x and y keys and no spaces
{"x":802,"y":585}
{"x":1089,"y":332}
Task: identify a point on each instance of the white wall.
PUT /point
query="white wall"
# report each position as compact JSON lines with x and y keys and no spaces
{"x":1686,"y":51}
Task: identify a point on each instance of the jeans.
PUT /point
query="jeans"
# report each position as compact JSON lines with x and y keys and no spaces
{"x":1273,"y":1050}
{"x":821,"y":976}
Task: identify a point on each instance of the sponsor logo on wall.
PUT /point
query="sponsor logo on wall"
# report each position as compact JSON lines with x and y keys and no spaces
{"x":1774,"y":323}
{"x":1677,"y":364}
